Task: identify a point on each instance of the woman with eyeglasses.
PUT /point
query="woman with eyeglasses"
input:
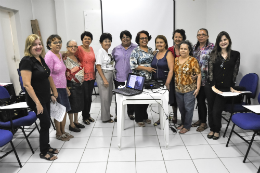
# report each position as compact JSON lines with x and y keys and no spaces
{"x":75,"y":79}
{"x":104,"y":75}
{"x":53,"y":59}
{"x":140,"y":62}
{"x":86,"y":57}
{"x":223,"y":69}
{"x":201,"y":52}
{"x":122,"y":53}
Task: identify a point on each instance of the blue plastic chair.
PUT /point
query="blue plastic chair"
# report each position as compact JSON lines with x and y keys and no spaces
{"x":250,"y":82}
{"x":5,"y":137}
{"x":246,"y":121}
{"x":18,"y":123}
{"x":95,"y":85}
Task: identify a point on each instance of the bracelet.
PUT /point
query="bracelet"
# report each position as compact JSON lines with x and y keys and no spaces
{"x":52,"y":95}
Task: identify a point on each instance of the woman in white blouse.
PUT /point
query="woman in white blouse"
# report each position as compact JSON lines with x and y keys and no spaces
{"x":104,"y":76}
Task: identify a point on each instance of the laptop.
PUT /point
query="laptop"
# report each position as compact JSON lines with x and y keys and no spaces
{"x":134,"y":85}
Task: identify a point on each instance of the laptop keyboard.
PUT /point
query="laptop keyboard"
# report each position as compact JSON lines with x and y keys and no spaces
{"x":127,"y":91}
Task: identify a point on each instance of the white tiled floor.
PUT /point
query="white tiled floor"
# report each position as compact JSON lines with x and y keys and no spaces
{"x":95,"y":150}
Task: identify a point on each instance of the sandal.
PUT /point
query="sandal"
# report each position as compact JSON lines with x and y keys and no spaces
{"x":157,"y":123}
{"x":109,"y":121}
{"x":148,"y":121}
{"x":53,"y":151}
{"x":131,"y":117}
{"x":69,"y":135}
{"x":196,"y":124}
{"x":183,"y":131}
{"x":141,"y":124}
{"x":62,"y":137}
{"x":115,"y":119}
{"x":48,"y":158}
{"x":180,"y":127}
{"x":86,"y":122}
{"x":91,"y":119}
{"x":202,"y":127}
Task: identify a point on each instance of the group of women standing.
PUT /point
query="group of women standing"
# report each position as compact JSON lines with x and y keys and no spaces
{"x":202,"y":71}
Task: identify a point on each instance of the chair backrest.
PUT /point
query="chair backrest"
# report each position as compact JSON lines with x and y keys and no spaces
{"x":20,"y":80}
{"x":4,"y":93}
{"x":250,"y":82}
{"x":259,"y":98}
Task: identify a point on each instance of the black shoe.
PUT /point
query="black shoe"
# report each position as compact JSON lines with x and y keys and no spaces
{"x":210,"y":136}
{"x":131,"y":117}
{"x":115,"y":119}
{"x":79,"y":125}
{"x":75,"y":129}
{"x":216,"y":137}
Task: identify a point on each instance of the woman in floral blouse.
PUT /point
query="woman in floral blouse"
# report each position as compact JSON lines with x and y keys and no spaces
{"x":140,"y":62}
{"x":201,"y":52}
{"x":186,"y":89}
{"x":75,"y":79}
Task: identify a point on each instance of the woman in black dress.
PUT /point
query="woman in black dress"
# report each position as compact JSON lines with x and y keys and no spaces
{"x":223,"y":69}
{"x":37,"y":83}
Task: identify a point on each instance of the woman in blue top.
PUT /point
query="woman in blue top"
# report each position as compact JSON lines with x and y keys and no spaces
{"x":163,"y":62}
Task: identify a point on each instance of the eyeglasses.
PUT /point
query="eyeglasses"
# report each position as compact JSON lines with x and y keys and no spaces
{"x":203,"y":35}
{"x":57,"y":42}
{"x":125,"y":38}
{"x":144,"y":38}
{"x":72,"y":47}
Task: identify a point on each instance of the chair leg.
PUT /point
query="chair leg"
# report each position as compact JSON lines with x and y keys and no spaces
{"x":227,"y":126}
{"x":230,"y":135}
{"x":16,"y":154}
{"x":52,"y":124}
{"x":95,"y":91}
{"x":250,"y":144}
{"x":37,"y":127}
{"x":27,"y":140}
{"x":258,"y":170}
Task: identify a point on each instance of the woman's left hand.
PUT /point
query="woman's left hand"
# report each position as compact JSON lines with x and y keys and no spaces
{"x":68,"y":91}
{"x":53,"y":99}
{"x":196,"y":92}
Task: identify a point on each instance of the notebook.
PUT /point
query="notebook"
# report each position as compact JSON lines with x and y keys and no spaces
{"x":134,"y":85}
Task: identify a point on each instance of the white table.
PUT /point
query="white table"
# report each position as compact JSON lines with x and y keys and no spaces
{"x":4,"y":84}
{"x":147,"y":97}
{"x":253,"y":108}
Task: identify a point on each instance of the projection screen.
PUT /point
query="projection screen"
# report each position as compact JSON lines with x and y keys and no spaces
{"x":155,"y":16}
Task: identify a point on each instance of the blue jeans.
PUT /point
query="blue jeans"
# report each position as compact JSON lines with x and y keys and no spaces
{"x":186,"y":102}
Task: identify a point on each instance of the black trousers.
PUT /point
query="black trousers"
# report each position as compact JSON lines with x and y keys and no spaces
{"x":88,"y":89}
{"x":130,"y":107}
{"x":45,"y":126}
{"x":216,"y":104}
{"x":202,"y":108}
{"x":141,"y":112}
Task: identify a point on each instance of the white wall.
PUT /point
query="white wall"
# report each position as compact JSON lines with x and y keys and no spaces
{"x":240,"y":18}
{"x":190,"y":16}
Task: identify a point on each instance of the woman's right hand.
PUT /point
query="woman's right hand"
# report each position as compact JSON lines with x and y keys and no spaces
{"x":216,"y":90}
{"x":106,"y":84}
{"x":150,"y":69}
{"x":39,"y":108}
{"x":55,"y":94}
{"x":53,"y":99}
{"x":64,"y":55}
{"x":154,"y":52}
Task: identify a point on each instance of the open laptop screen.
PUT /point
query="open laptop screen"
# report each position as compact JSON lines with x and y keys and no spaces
{"x":135,"y":82}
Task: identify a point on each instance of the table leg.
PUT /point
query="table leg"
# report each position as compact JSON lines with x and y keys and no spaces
{"x":161,"y":116}
{"x":123,"y":116}
{"x":166,"y":120}
{"x":119,"y":119}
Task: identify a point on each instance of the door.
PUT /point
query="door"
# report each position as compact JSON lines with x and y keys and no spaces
{"x":7,"y":43}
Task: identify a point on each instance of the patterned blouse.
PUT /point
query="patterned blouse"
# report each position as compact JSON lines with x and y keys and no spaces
{"x":87,"y":59}
{"x":142,"y":58}
{"x":74,"y":71}
{"x":202,"y":55}
{"x":183,"y":73}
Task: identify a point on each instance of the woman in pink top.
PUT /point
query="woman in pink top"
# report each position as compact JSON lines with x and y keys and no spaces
{"x":57,"y":68}
{"x":86,"y":57}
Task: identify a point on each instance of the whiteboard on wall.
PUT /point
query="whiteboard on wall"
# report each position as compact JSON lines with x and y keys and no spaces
{"x":92,"y":19}
{"x":155,"y":16}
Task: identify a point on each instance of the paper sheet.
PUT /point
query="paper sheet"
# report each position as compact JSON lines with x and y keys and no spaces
{"x":229,"y":94}
{"x":57,"y":111}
